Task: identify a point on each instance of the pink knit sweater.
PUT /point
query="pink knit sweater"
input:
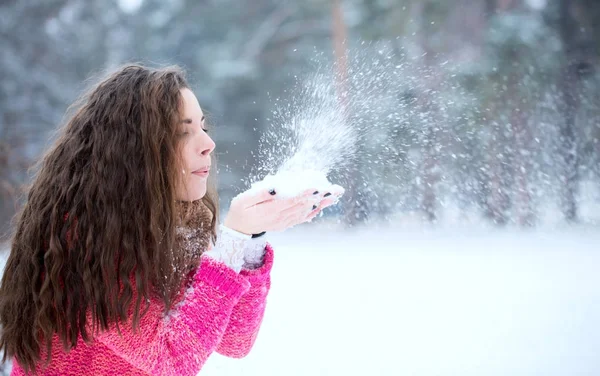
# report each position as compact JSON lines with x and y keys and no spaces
{"x":222,"y":311}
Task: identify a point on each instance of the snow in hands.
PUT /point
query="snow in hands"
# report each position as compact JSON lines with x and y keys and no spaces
{"x":289,"y":183}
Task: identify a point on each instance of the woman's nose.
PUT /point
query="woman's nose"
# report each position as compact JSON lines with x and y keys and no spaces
{"x":207,"y":146}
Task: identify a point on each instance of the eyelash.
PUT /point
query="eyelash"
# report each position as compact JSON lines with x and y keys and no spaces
{"x":186,"y":133}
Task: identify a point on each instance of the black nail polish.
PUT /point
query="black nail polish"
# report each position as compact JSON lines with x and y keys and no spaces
{"x":315,"y":192}
{"x":272,"y":192}
{"x":314,"y":207}
{"x":327,"y":194}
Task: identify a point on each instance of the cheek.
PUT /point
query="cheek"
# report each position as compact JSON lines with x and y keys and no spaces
{"x":191,"y":188}
{"x":186,"y":158}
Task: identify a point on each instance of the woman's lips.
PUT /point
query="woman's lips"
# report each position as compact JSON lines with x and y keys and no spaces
{"x":202,"y":173}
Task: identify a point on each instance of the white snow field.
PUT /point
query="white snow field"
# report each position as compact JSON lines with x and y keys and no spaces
{"x":429,"y":303}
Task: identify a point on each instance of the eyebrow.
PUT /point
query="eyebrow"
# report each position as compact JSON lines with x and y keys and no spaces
{"x":189,"y":120}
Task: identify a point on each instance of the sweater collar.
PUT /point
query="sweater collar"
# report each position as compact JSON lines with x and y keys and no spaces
{"x":194,"y":232}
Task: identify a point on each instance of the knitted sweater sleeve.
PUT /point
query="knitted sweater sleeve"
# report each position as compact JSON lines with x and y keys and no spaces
{"x":247,"y":315}
{"x":180,"y":342}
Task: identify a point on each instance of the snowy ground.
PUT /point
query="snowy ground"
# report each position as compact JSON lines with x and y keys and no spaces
{"x":479,"y":302}
{"x":432,"y":303}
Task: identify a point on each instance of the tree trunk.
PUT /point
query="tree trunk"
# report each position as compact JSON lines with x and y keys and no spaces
{"x":498,"y":201}
{"x":568,"y":146}
{"x":577,"y":50}
{"x":429,"y":173}
{"x":522,"y":168}
{"x":355,"y":203}
{"x":508,"y":182}
{"x":428,"y":107}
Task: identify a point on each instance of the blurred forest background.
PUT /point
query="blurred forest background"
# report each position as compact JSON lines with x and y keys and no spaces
{"x":505,"y":126}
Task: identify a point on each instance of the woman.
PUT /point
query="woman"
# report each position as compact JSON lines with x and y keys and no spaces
{"x":118,"y":265}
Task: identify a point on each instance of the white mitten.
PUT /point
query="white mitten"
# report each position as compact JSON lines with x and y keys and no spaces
{"x":229,"y":248}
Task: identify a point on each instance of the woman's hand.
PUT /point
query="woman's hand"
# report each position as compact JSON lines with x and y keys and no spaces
{"x":330,"y":198}
{"x":253,"y":213}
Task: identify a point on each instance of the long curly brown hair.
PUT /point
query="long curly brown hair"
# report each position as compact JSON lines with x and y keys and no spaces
{"x":98,"y":230}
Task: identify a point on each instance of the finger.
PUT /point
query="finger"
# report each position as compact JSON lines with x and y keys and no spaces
{"x":304,"y":216}
{"x":308,"y":197}
{"x":327,"y":202}
{"x":332,"y":197}
{"x":290,"y":220}
{"x":312,"y":215}
{"x":295,"y":219}
{"x":254,"y":197}
{"x":335,"y":190}
{"x":315,"y":209}
{"x":278,"y":216}
{"x":297,"y":210}
{"x":308,"y":193}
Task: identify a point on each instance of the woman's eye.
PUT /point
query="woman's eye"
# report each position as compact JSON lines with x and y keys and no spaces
{"x":205,"y":130}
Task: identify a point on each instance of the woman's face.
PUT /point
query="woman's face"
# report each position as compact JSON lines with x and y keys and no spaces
{"x":196,"y":146}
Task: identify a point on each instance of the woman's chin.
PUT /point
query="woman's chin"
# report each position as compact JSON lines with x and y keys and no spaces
{"x":193,"y":196}
{"x":200,"y":194}
{"x":197,"y":197}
